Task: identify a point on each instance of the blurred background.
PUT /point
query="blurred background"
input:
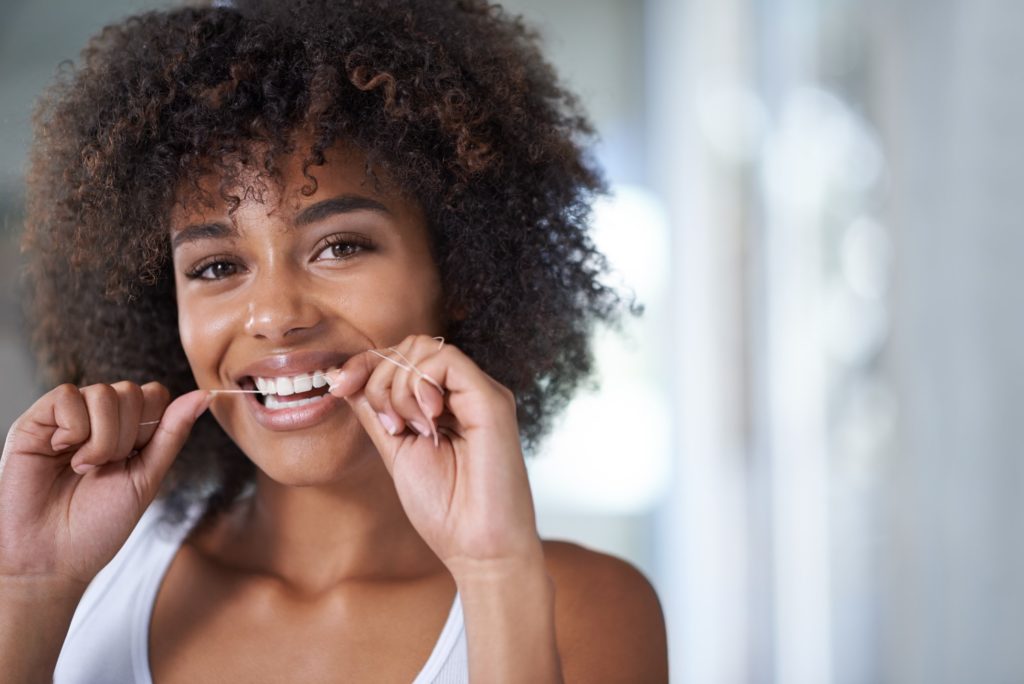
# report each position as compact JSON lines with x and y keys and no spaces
{"x":810,"y":442}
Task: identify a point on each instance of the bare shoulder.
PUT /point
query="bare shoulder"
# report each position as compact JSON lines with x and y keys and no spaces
{"x":608,"y":619}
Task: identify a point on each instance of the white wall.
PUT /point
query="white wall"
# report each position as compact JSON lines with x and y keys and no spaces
{"x":953,"y":564}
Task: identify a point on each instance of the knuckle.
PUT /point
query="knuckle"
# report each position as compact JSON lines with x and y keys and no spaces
{"x":129,"y":390}
{"x":505,"y":394}
{"x":122,"y":384}
{"x":63,"y":396}
{"x":449,"y":352}
{"x":65,"y":391}
{"x":438,"y":344}
{"x":101,"y":392}
{"x":157,"y":391}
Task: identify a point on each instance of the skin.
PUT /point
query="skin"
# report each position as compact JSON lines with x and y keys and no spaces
{"x":360,"y":529}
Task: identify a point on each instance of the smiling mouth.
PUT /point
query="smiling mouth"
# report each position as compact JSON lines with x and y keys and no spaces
{"x":284,"y":392}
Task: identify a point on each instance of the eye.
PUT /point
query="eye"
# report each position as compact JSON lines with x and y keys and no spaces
{"x":215,"y":269}
{"x":338,"y":247}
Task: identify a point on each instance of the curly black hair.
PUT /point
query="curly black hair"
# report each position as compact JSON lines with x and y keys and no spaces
{"x":451,"y":99}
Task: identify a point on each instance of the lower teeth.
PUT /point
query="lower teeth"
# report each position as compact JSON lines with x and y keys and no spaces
{"x":272,"y":402}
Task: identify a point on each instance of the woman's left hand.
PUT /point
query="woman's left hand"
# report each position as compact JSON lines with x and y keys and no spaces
{"x":468,"y":495}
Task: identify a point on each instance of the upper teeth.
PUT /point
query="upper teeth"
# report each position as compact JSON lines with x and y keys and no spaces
{"x":303,"y":382}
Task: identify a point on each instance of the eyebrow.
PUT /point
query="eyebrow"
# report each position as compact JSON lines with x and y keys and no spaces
{"x":203,"y":231}
{"x":342,"y":204}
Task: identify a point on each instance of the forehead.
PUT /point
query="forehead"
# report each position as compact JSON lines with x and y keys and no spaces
{"x":242,"y":184}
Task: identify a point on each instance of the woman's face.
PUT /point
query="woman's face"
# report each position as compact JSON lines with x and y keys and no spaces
{"x":293,"y":286}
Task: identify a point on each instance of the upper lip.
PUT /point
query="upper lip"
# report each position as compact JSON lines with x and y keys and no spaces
{"x":292,"y":363}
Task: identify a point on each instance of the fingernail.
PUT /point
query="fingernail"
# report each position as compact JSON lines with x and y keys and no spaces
{"x":83,"y":468}
{"x":420,"y":428}
{"x":59,"y":447}
{"x":334,"y":381}
{"x":388,"y":424}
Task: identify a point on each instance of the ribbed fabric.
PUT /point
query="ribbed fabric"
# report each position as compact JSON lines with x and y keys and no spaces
{"x":108,"y":640}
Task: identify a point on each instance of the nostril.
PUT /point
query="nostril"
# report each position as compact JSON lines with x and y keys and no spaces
{"x":277,"y":315}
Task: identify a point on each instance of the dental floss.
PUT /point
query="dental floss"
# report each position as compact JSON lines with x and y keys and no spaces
{"x":213,"y":391}
{"x":411,"y":367}
{"x":407,"y":366}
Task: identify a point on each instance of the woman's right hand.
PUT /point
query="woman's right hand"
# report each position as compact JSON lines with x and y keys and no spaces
{"x":78,"y":470}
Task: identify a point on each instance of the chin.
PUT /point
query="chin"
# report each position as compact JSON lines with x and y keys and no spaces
{"x":307,"y":462}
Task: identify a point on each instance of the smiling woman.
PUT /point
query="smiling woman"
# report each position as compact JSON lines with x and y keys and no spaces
{"x":274,"y":212}
{"x":289,"y":285}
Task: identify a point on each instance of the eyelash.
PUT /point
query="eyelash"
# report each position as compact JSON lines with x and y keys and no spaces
{"x":355,"y":243}
{"x":196,"y":272}
{"x":358,"y":242}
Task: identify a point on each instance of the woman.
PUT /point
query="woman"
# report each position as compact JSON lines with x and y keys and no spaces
{"x":355,"y":233}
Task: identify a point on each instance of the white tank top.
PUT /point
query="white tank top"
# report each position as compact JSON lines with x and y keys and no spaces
{"x":108,"y":640}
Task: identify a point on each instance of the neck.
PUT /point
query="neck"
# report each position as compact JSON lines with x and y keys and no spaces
{"x":316,"y":538}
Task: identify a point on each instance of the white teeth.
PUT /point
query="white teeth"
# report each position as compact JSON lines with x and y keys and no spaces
{"x":285,"y":387}
{"x":274,"y":403}
{"x":303,"y":383}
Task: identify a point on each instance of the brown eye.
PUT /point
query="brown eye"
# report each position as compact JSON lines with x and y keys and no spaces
{"x":221,"y":269}
{"x":340,"y":247}
{"x":341,"y":250}
{"x":215,"y":270}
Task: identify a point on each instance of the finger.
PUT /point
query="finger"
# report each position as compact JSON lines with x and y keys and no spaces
{"x":57,"y":421}
{"x":129,"y":411}
{"x":473,"y":397}
{"x":102,"y":404}
{"x":378,"y":392}
{"x":352,"y":378}
{"x":406,"y":391}
{"x":155,"y":399}
{"x":387,"y":444}
{"x":151,"y":465}
{"x":352,"y":375}
{"x":403,"y":399}
{"x":429,"y":399}
{"x":69,"y":416}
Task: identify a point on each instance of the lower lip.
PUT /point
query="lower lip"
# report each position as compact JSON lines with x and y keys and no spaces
{"x":295,"y":418}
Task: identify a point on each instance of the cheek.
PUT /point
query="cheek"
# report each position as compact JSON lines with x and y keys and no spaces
{"x":418,"y":289}
{"x":429,"y":307}
{"x":399,"y":304}
{"x":203,"y":330}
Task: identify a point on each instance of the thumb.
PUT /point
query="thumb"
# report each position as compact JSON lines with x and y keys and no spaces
{"x":386,"y":443}
{"x":155,"y":459}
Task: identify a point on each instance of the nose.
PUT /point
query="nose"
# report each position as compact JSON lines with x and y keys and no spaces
{"x":279,"y":307}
